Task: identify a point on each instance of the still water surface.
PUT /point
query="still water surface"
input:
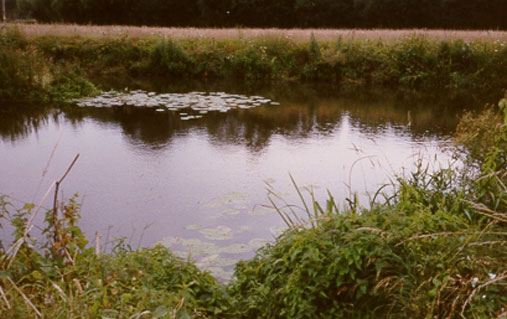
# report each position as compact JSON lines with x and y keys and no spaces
{"x":201,"y":185}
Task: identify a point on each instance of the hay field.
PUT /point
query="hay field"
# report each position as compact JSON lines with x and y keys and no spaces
{"x":71,"y":30}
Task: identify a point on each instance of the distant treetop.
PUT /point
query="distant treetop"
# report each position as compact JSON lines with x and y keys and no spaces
{"x":449,"y":14}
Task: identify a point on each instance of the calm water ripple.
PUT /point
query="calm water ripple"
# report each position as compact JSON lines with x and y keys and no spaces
{"x":200,"y":186}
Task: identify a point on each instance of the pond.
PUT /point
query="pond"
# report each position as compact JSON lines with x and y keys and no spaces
{"x":196,"y":177}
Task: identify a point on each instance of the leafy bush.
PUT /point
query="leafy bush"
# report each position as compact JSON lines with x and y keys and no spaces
{"x":421,"y":255}
{"x":70,"y":85}
{"x":477,"y":132}
{"x":62,"y":277}
{"x":168,"y":58}
{"x":251,"y":63}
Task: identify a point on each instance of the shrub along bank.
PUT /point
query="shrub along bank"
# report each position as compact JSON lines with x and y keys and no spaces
{"x":58,"y":68}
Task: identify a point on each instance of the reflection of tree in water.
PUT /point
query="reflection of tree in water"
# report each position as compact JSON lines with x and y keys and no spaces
{"x":17,"y":121}
{"x":154,"y":130}
{"x":254,"y":128}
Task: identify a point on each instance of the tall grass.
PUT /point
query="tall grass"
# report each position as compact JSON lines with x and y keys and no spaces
{"x":298,"y":35}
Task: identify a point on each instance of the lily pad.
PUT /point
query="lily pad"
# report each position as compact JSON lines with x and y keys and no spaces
{"x":230,"y":212}
{"x":257,"y":243}
{"x":169,"y":242}
{"x":236,"y":249}
{"x":244,"y":229}
{"x":216,"y":261}
{"x":220,"y":273}
{"x":180,"y":254}
{"x":194,"y":246}
{"x":232,"y":198}
{"x":193,"y":227}
{"x":270,"y":181}
{"x":277,"y":230}
{"x":261,"y":211}
{"x":197,"y":247}
{"x":200,"y":102}
{"x":219,"y":233}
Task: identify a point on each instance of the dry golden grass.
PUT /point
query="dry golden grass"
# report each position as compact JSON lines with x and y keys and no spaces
{"x":71,"y":30}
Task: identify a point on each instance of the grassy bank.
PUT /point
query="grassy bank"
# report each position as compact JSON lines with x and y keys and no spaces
{"x":64,"y":63}
{"x":435,"y":248}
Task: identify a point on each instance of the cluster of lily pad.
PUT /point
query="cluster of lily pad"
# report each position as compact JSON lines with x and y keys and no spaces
{"x":210,"y":247}
{"x":199,"y":102}
{"x":210,"y":256}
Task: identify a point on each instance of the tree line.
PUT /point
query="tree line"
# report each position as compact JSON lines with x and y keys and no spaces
{"x":458,"y":14}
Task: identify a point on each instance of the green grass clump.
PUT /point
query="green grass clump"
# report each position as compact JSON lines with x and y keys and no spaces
{"x":62,"y":277}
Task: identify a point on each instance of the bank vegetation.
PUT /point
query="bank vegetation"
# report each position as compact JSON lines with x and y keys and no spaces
{"x":57,"y":66}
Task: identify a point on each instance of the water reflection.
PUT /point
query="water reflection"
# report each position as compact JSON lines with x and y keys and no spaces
{"x":201,"y":184}
{"x":253,"y":128}
{"x":17,"y":121}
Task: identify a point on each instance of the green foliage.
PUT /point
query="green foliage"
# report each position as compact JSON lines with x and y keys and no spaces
{"x":417,"y":254}
{"x":485,"y":138}
{"x":25,"y":73}
{"x":317,"y":68}
{"x":168,"y":58}
{"x":61,"y":277}
{"x":251,"y":63}
{"x":490,"y":188}
{"x":314,"y":51}
{"x":477,"y":132}
{"x":18,"y":69}
{"x":30,"y":69}
{"x":71,"y":85}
